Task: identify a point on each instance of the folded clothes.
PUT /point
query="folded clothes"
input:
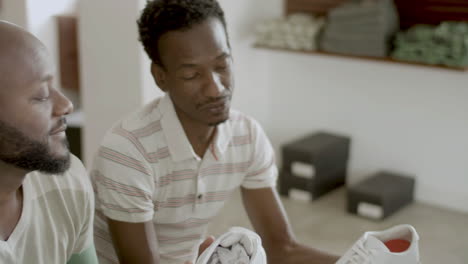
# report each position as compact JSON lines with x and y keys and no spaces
{"x":235,"y":254}
{"x":360,"y":27}
{"x":445,"y":44}
{"x":378,"y":14}
{"x":376,"y":38}
{"x":297,"y":31}
{"x":355,"y":9}
{"x":356,"y":48}
{"x":237,"y":246}
{"x":372,"y":25}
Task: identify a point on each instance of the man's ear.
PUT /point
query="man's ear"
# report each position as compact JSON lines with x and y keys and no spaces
{"x":159,"y":76}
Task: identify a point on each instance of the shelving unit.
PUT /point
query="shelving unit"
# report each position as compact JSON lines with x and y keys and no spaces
{"x":384,"y":60}
{"x":411,"y":12}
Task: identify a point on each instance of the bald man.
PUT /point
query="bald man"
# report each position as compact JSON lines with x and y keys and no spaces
{"x":46,"y":199}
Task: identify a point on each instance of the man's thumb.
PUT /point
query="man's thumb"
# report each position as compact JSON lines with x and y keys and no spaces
{"x":206,"y":244}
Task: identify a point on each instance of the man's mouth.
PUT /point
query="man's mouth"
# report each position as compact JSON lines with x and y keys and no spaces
{"x":62,"y":126}
{"x":59,"y":130}
{"x":217,"y":105}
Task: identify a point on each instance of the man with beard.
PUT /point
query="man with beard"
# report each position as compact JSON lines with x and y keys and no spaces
{"x":46,"y":199}
{"x":163,"y":173}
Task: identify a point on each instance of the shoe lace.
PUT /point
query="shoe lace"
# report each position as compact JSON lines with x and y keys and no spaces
{"x":361,"y":255}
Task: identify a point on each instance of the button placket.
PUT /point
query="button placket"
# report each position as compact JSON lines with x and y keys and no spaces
{"x":201,"y":186}
{"x":201,"y":190}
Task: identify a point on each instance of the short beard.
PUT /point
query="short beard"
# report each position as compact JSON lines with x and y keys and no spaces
{"x":19,"y":150}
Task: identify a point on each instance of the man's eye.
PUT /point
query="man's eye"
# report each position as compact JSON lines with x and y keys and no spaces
{"x":191,"y":77}
{"x":221,"y":68}
{"x":42,"y":99}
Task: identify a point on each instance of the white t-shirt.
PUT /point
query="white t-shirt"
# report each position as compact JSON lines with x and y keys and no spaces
{"x":147,"y":170}
{"x":56,"y":218}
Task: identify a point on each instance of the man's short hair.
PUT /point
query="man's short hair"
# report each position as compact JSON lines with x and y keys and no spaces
{"x":162,"y":16}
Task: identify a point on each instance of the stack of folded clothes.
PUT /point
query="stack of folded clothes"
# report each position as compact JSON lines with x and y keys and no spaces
{"x":361,"y":27}
{"x":446,"y":44}
{"x":296,"y":32}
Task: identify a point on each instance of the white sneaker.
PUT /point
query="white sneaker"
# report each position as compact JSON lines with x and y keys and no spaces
{"x":397,"y":245}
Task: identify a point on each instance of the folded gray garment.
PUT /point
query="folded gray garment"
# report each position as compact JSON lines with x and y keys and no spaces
{"x":353,"y":37}
{"x":363,"y":25}
{"x":234,"y":255}
{"x":359,"y":19}
{"x":378,"y":13}
{"x":354,"y":45}
{"x":363,"y":8}
{"x":388,"y":15}
{"x":357,"y":42}
{"x":357,"y":48}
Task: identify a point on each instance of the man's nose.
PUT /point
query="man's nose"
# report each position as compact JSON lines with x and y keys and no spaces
{"x":213,"y":86}
{"x":62,"y":105}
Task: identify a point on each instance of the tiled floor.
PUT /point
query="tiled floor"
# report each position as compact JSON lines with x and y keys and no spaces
{"x":326,"y":225}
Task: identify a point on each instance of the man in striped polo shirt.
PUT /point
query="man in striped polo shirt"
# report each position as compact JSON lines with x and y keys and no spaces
{"x":164,"y":172}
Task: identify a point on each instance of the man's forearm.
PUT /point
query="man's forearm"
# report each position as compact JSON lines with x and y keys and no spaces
{"x":297,"y":253}
{"x":270,"y":221}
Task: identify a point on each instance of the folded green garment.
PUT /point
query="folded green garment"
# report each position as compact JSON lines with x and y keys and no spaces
{"x":445,"y":44}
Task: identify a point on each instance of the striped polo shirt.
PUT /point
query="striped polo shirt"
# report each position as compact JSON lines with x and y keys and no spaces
{"x":146,"y":170}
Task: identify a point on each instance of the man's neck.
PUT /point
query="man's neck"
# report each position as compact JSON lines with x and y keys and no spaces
{"x":11,"y":198}
{"x":199,"y":135}
{"x":11,"y":179}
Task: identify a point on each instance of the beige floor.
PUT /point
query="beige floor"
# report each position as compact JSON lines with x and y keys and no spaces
{"x":325,"y":224}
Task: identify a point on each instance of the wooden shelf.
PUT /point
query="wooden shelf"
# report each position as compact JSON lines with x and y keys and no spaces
{"x":411,"y":12}
{"x":386,"y":60}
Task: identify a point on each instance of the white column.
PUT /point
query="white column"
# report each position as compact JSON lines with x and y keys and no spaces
{"x":114,"y":70}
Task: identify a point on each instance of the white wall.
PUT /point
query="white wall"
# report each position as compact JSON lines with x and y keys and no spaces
{"x":115,"y":75}
{"x":407,"y":119}
{"x":403,"y":118}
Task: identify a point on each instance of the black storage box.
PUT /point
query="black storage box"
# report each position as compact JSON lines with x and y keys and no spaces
{"x":380,"y":195}
{"x":327,"y":156}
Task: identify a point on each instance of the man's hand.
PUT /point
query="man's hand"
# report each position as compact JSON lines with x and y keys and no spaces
{"x":203,"y":246}
{"x":270,"y":221}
